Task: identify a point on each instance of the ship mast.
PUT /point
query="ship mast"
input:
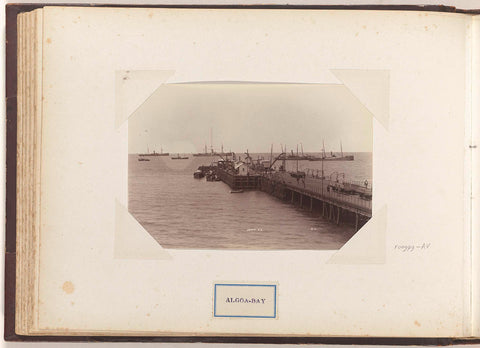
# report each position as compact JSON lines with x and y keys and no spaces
{"x":297,"y":158}
{"x":211,"y":146}
{"x":146,"y":132}
{"x":271,"y":154}
{"x":341,"y":149}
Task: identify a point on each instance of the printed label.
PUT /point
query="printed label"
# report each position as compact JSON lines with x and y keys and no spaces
{"x":245,"y":300}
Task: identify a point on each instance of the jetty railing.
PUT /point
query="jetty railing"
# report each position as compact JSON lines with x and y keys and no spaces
{"x":322,"y":190}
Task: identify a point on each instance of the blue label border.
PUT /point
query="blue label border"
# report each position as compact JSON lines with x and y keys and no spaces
{"x":274,"y":286}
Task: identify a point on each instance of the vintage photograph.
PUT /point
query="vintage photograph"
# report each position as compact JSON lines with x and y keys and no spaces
{"x":258,"y":166}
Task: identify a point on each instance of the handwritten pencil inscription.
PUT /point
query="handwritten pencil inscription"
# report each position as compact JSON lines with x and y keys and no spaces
{"x":412,"y":247}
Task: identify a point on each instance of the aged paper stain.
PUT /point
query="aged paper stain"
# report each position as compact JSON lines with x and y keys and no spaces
{"x":49,"y":41}
{"x":68,"y":287}
{"x":417,"y":323}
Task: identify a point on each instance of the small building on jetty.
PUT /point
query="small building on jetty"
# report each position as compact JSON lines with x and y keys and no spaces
{"x":238,"y":175}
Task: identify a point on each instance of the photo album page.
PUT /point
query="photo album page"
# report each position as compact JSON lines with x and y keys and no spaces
{"x":256,"y":172}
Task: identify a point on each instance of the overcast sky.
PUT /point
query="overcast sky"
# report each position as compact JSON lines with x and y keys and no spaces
{"x":178,"y":117}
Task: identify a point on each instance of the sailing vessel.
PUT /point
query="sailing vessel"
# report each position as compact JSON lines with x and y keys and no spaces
{"x":332,"y":157}
{"x":224,"y":154}
{"x":297,"y":156}
{"x":179,"y":157}
{"x":212,"y":152}
{"x":298,"y":174}
{"x":205,"y":153}
{"x":154,"y":153}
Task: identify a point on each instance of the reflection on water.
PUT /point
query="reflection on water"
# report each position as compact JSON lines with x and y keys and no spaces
{"x":185,"y":213}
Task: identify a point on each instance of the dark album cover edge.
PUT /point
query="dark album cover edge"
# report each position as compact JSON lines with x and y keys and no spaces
{"x":12,"y":10}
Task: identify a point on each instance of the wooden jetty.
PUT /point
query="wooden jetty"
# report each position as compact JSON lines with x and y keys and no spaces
{"x":315,"y":194}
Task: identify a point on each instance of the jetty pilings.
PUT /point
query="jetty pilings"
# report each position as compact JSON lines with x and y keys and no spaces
{"x":320,"y":199}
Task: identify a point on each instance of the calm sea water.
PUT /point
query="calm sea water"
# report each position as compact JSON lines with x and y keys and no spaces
{"x":181,"y":212}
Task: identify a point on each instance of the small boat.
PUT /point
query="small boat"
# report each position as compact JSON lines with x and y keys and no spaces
{"x":212,"y":176}
{"x":236,"y":191}
{"x":179,"y":157}
{"x":143,"y":159}
{"x":198,"y":174}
